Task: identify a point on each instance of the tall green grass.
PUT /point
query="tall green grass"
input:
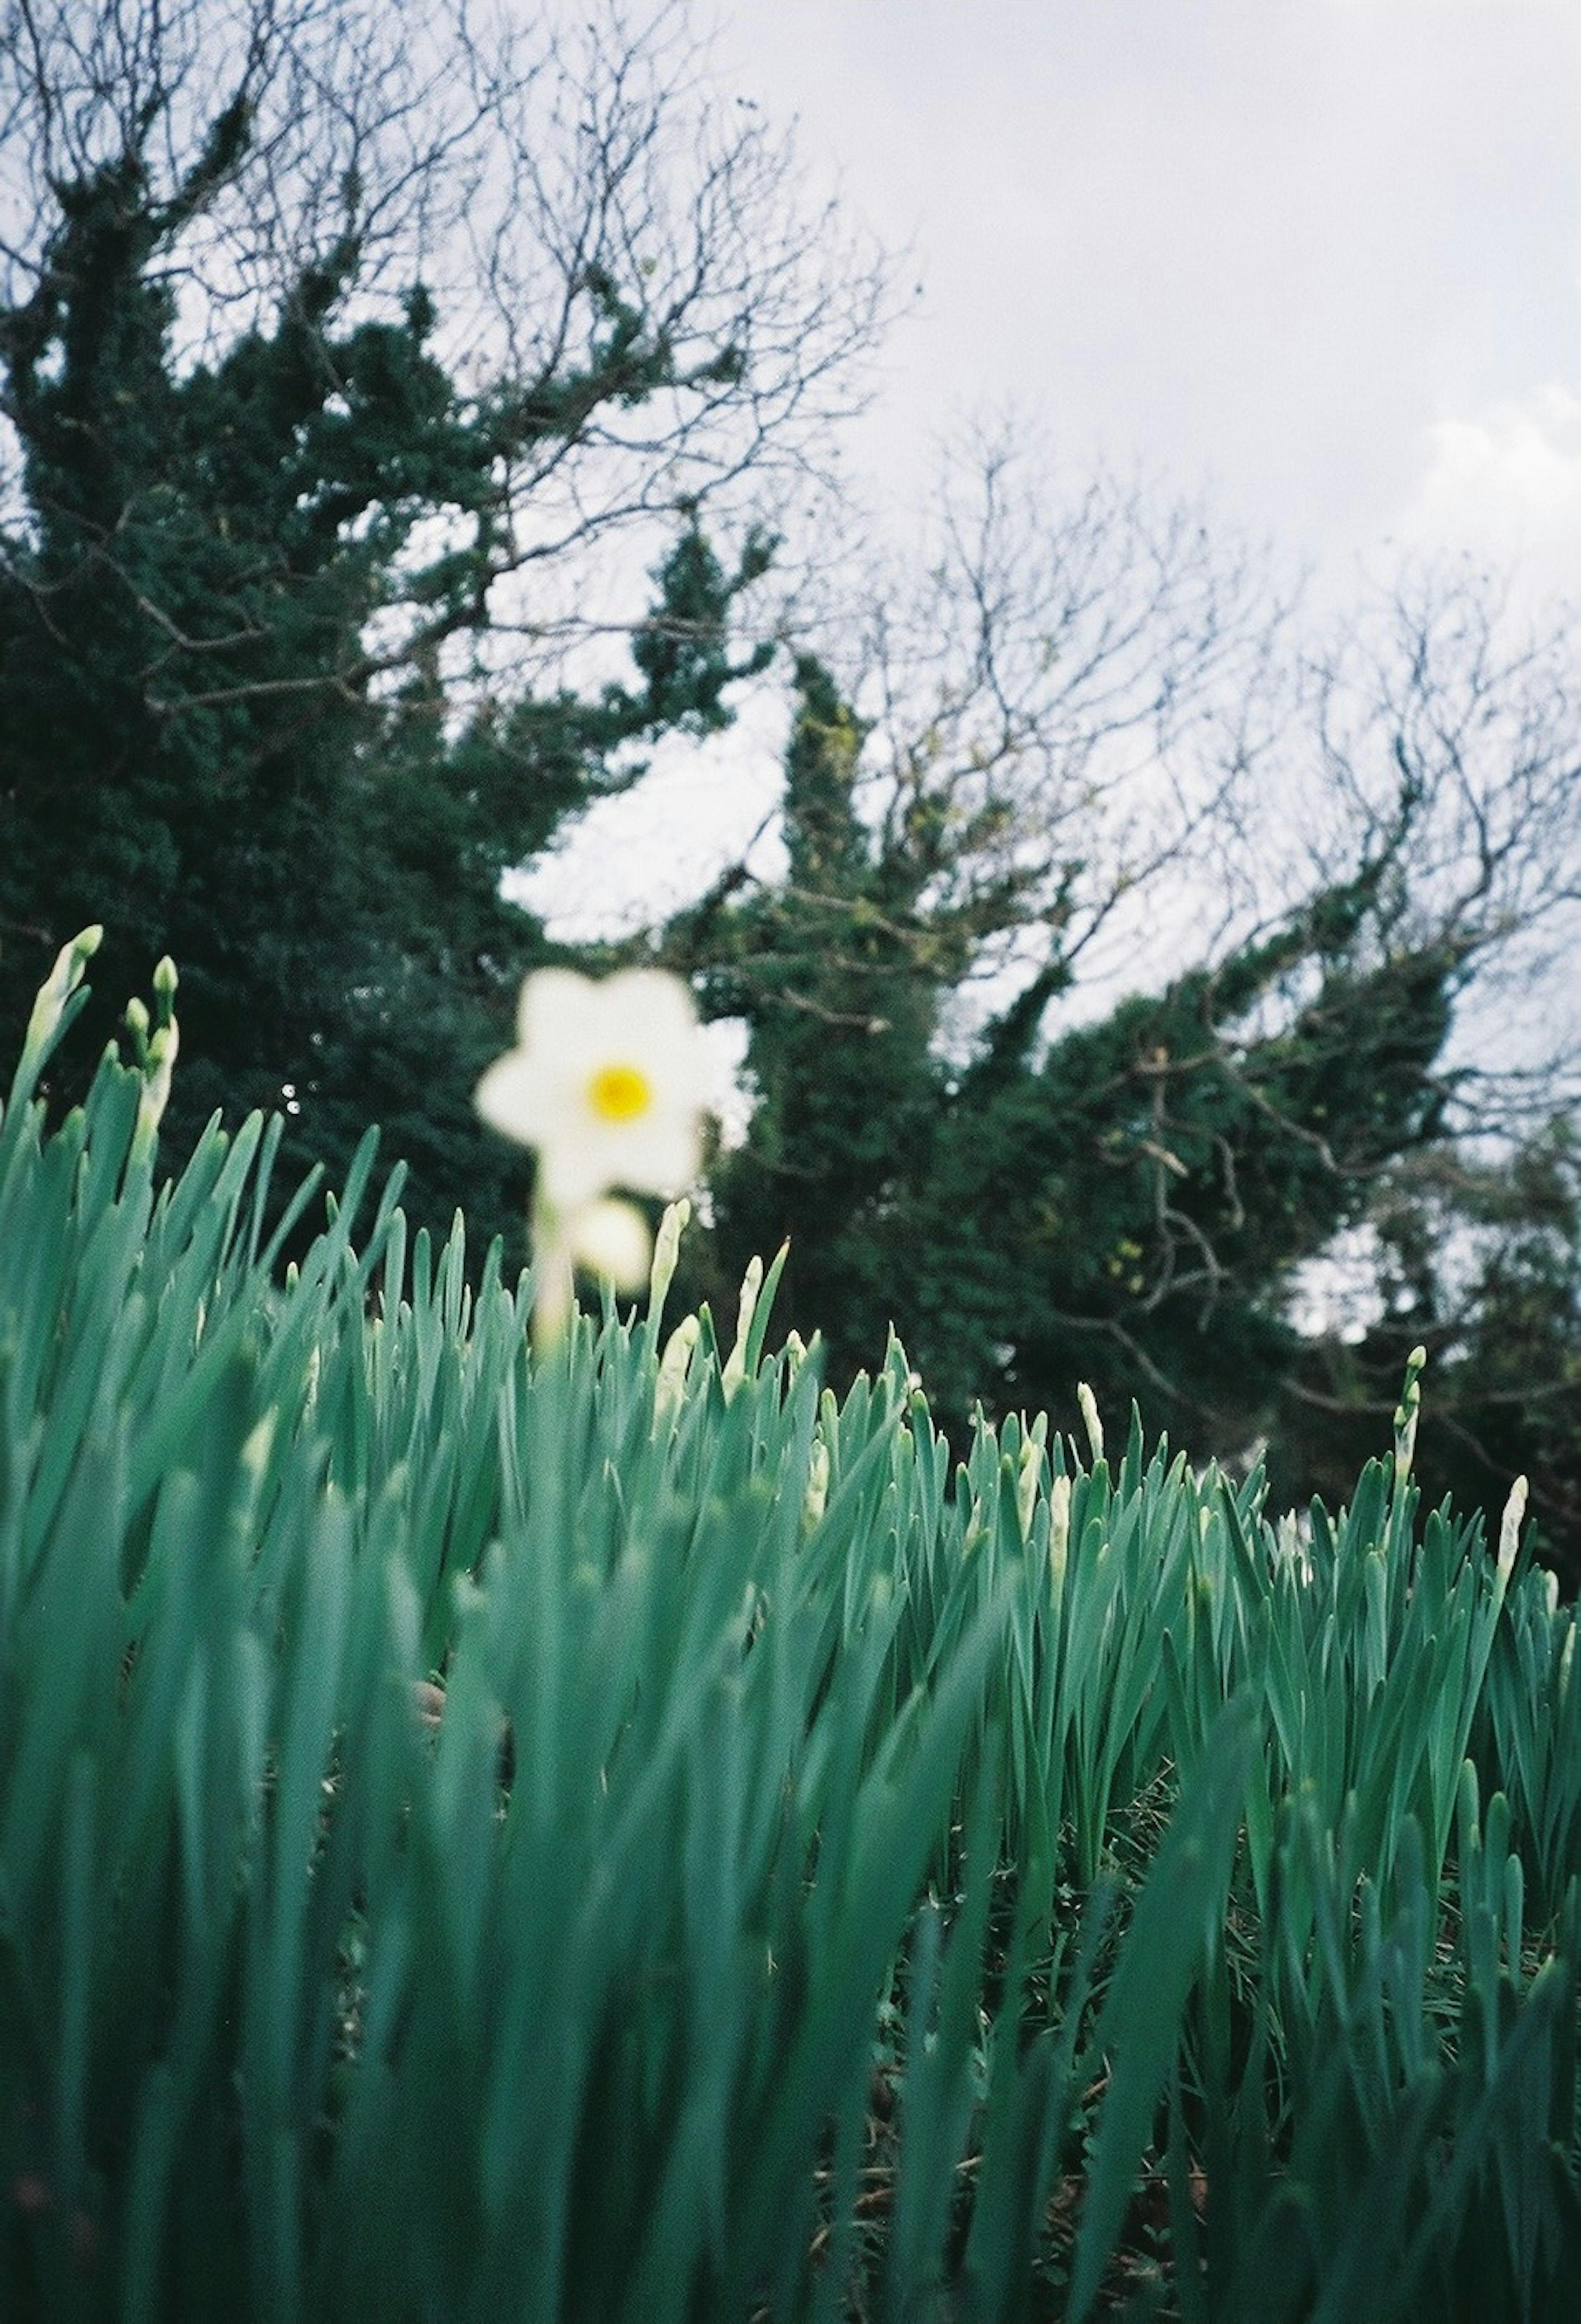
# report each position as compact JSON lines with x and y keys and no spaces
{"x":624,"y":1834}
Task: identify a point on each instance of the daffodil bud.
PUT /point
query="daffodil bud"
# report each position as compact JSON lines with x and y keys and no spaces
{"x":667,"y":1248}
{"x":735,"y":1369}
{"x":1510,"y":1528}
{"x":815,"y":1499}
{"x":670,"y":1387}
{"x":1407,"y":1413}
{"x":56,"y":990}
{"x":1087,"y":1403}
{"x":1058,"y":1534}
{"x":1029,"y":1473}
{"x":159,"y":1065}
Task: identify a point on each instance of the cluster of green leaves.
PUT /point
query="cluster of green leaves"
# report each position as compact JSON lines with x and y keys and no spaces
{"x":632,"y":1834}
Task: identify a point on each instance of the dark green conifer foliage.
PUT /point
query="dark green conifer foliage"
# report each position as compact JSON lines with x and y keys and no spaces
{"x":839,"y":972}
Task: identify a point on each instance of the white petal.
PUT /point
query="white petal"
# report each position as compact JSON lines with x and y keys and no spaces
{"x":510,"y":1097}
{"x":660,"y":1155}
{"x":653,"y":1000}
{"x":573,"y":1169}
{"x":551,"y":999}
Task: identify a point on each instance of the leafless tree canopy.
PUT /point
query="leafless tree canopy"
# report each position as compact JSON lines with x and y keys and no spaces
{"x":1129,"y":725}
{"x":1447,"y":730}
{"x":1077,"y":687}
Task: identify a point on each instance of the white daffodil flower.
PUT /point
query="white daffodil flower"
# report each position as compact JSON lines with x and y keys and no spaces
{"x":608,"y":1081}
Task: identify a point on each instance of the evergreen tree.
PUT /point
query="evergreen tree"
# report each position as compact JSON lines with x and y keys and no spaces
{"x":1129,"y":1200}
{"x":286,"y":677}
{"x":1119,"y":1205}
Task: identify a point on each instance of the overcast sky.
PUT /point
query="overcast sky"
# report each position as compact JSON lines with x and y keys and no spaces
{"x":1324,"y":256}
{"x":1320,"y":257}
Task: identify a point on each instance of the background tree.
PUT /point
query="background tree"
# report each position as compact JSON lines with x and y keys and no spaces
{"x":1051,"y":719}
{"x":1042,"y":1177}
{"x":397,"y":414}
{"x":1471,"y":1245}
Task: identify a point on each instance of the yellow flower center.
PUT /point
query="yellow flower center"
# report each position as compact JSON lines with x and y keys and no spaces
{"x":619,"y":1094}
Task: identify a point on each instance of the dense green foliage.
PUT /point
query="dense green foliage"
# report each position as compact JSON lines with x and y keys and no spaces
{"x":628,"y":1834}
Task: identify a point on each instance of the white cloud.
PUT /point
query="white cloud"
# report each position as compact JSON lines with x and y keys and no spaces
{"x":1507,"y":486}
